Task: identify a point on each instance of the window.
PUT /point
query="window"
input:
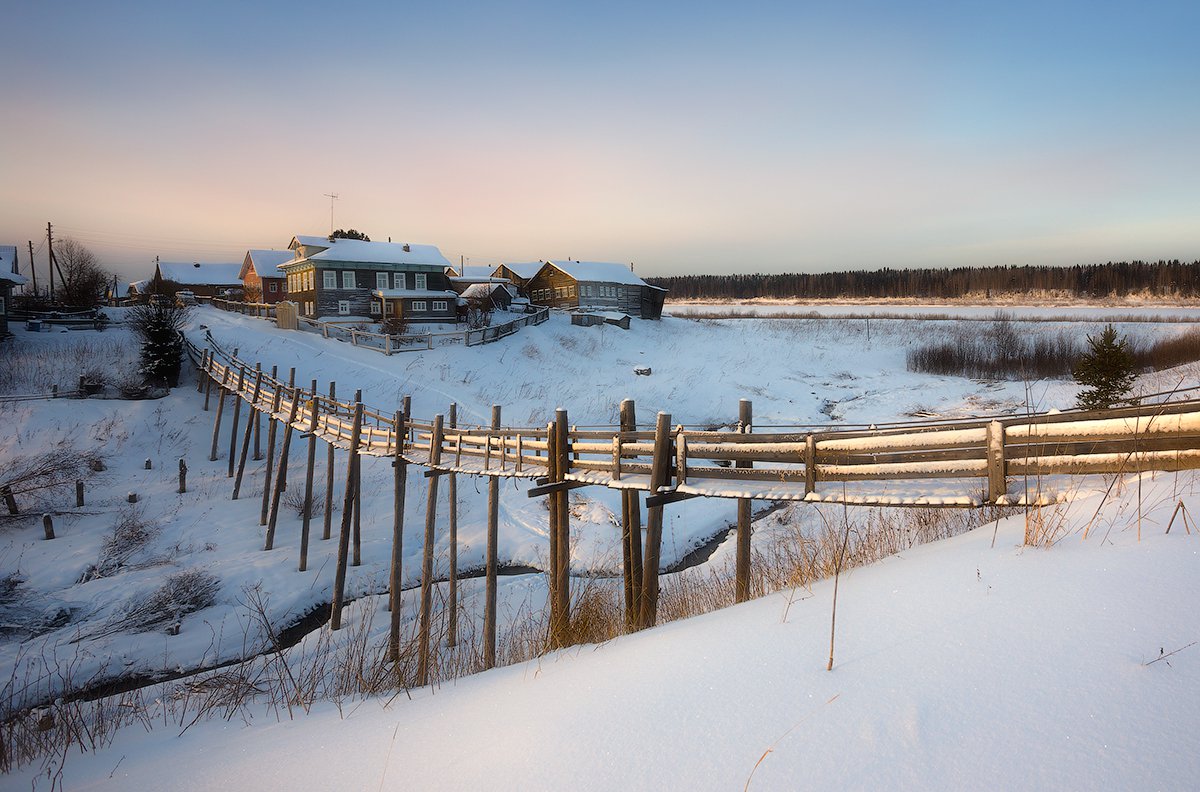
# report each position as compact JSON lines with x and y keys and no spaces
{"x":399,"y":280}
{"x":560,"y":292}
{"x":374,"y":308}
{"x":418,"y":305}
{"x":586,"y":290}
{"x":420,"y":282}
{"x":381,"y":281}
{"x":348,"y":279}
{"x":344,"y":307}
{"x":389,"y":308}
{"x":308,"y":280}
{"x":273,"y":287}
{"x":330,"y":279}
{"x":571,"y":291}
{"x":439,"y":305}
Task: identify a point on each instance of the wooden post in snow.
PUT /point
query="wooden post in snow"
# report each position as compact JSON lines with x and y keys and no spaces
{"x":997,"y":485}
{"x":435,"y":455}
{"x":329,"y":468}
{"x":270,"y":468}
{"x":810,"y":464}
{"x":208,"y":376}
{"x":212,"y":457}
{"x":78,"y":494}
{"x":631,"y":528}
{"x":562,"y":546}
{"x":659,"y":474}
{"x":308,"y":478}
{"x":182,"y":476}
{"x":280,"y":481}
{"x":452,"y":496}
{"x":203,"y":371}
{"x":741,"y":578}
{"x":48,"y":526}
{"x":237,"y":412}
{"x":357,"y":462}
{"x":241,"y":468}
{"x":552,"y":506}
{"x":492,"y":565}
{"x":339,"y":582}
{"x":399,"y":486}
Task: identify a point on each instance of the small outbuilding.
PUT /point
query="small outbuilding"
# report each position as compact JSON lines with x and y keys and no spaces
{"x":261,"y":277}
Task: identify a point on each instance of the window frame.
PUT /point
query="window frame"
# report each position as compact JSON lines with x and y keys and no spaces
{"x":343,"y":307}
{"x":419,"y":306}
{"x":349,"y":280}
{"x":329,"y":279}
{"x":439,"y":305}
{"x":399,"y":281}
{"x":420,"y":281}
{"x":381,"y":281}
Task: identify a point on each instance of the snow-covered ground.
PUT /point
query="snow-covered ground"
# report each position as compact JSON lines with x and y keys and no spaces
{"x":1151,"y":312}
{"x":66,"y":624}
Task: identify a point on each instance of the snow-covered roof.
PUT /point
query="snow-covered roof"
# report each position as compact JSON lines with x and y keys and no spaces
{"x":8,"y":255}
{"x":357,"y":251}
{"x":265,"y":262}
{"x":483,"y":289}
{"x":603,"y":271}
{"x":140,"y":286}
{"x":474,"y":273}
{"x":201,"y":274}
{"x":13,"y":278}
{"x":522,"y":269}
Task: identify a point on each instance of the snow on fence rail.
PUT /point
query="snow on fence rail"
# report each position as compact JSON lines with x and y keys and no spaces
{"x":777,"y":466}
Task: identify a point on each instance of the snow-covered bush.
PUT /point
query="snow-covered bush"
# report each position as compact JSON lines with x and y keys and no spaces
{"x":158,"y":327}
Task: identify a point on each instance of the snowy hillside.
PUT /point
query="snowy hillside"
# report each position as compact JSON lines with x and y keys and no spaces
{"x":179,"y":582}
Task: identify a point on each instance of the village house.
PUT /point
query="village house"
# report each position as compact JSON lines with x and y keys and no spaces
{"x":596,"y":285}
{"x":202,"y":279}
{"x":492,"y":295}
{"x":8,"y":279}
{"x":518,"y":274}
{"x":262,"y":280}
{"x":375,"y":280}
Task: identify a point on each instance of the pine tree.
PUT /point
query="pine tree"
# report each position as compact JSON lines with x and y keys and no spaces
{"x":158,"y":328}
{"x":1106,"y":371}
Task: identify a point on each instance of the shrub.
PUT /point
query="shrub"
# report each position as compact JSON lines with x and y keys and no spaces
{"x":158,"y":326}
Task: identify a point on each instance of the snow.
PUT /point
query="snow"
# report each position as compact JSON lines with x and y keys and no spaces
{"x":474,"y":273}
{"x":193,"y":273}
{"x":524,"y":269}
{"x":1057,"y":311}
{"x":952,"y":659}
{"x":357,"y":251}
{"x":972,"y":662}
{"x":395,"y":294}
{"x":598,"y":271}
{"x":266,"y":262}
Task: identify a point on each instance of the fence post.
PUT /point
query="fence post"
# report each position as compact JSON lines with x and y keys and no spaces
{"x":270,"y":466}
{"x":493,"y":521}
{"x":182,"y":477}
{"x":452,"y":496}
{"x":435,"y":453}
{"x":399,"y":484}
{"x":48,"y":526}
{"x":631,"y":528}
{"x":280,"y":478}
{"x":356,"y":460}
{"x":237,"y":411}
{"x":339,"y":583}
{"x":562,"y":527}
{"x":78,"y":494}
{"x":325,"y":533}
{"x":659,"y":476}
{"x":997,"y":486}
{"x":250,"y":421}
{"x":212,"y":457}
{"x":810,"y":464}
{"x":9,"y":501}
{"x":308,"y":479}
{"x":741,"y":583}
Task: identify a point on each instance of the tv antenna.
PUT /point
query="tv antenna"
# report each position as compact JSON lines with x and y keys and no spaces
{"x":332,"y":197}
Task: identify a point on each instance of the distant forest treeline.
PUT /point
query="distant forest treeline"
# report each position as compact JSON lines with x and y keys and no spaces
{"x":1161,"y":278}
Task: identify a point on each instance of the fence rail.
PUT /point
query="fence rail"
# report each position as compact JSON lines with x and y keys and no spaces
{"x":386,"y":343}
{"x":739,"y":463}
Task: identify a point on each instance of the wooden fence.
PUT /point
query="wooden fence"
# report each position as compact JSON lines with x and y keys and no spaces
{"x":670,"y":463}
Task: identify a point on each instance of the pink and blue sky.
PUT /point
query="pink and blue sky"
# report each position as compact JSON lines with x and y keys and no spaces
{"x":684,"y":137}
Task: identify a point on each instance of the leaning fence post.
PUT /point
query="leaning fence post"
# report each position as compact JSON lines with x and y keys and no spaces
{"x":269,"y":471}
{"x":325,"y":533}
{"x":250,"y":421}
{"x":339,"y":582}
{"x":212,"y":457}
{"x":435,"y":457}
{"x":308,"y":478}
{"x":280,"y":479}
{"x":452,"y":496}
{"x":48,"y":526}
{"x":493,"y":521}
{"x":399,"y":485}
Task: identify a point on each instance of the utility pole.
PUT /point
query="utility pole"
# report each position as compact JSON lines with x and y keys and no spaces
{"x":32,"y":268}
{"x":50,"y":248}
{"x":332,"y":197}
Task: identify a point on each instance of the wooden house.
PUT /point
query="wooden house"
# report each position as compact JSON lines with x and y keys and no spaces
{"x":369,"y":280}
{"x":8,"y":279}
{"x":518,"y":274}
{"x":261,"y":277}
{"x":595,"y":284}
{"x":494,"y":295}
{"x":202,"y":279}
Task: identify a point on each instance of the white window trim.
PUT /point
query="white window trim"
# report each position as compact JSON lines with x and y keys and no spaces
{"x":381,"y":281}
{"x":374,"y":308}
{"x":343,"y":307}
{"x":348,"y":280}
{"x":273,"y":287}
{"x":420,"y":279}
{"x":439,"y":305}
{"x":419,"y":306}
{"x":400,"y":280}
{"x":330,"y":279}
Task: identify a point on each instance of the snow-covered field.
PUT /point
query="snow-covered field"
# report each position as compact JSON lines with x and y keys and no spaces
{"x":950,"y":651}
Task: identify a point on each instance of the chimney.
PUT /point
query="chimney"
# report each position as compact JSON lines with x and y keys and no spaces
{"x":631,"y":266}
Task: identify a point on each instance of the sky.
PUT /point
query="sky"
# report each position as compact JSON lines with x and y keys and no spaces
{"x":682,"y":137}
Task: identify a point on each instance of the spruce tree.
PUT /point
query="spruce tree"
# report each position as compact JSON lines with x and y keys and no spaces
{"x":158,"y":327}
{"x":1106,"y":371}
